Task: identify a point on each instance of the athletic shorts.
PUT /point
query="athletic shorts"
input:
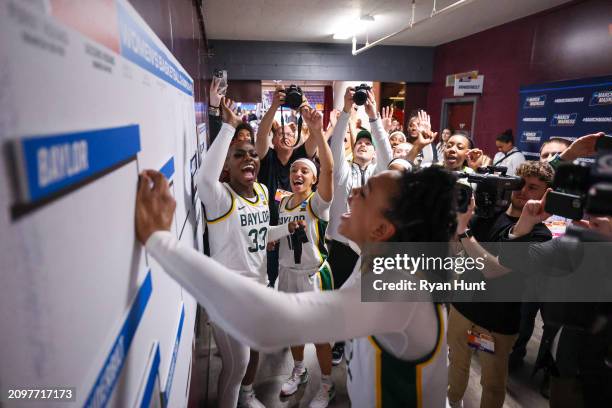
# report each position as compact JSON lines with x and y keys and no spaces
{"x":292,"y":280}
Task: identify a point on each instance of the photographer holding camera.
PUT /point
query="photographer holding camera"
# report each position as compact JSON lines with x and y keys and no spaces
{"x":276,"y":162}
{"x":581,"y":348}
{"x":495,"y":322}
{"x":350,"y":175}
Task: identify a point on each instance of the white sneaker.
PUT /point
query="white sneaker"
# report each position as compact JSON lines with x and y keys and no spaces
{"x":291,"y":385}
{"x":249,"y":400}
{"x":456,"y":404}
{"x":325,"y":394}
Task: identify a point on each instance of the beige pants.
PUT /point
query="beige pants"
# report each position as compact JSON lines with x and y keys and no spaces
{"x":494,"y":366}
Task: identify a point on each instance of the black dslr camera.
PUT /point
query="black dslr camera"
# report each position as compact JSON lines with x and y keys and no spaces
{"x":580,"y":187}
{"x":360,"y":97}
{"x":493,"y":190}
{"x":293,"y":97}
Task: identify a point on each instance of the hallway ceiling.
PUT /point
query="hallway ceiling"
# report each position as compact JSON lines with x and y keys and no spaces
{"x":318,"y":20}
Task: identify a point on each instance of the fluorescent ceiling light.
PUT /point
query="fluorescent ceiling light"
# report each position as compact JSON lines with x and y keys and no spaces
{"x":353,"y":27}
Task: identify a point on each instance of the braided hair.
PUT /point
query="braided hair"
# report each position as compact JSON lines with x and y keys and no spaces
{"x":424,"y":210}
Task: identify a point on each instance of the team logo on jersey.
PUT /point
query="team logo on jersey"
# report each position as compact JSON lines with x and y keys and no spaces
{"x":564,"y":119}
{"x":535,"y":102}
{"x":601,"y":98}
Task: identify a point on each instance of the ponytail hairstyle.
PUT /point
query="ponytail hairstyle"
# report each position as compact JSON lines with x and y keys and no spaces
{"x":506,"y":137}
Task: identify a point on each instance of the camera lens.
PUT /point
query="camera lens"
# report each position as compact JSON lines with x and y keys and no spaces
{"x":360,"y":96}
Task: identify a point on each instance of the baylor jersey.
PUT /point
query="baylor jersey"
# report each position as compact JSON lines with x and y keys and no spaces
{"x":377,"y":379}
{"x":314,"y":252}
{"x":238,"y":238}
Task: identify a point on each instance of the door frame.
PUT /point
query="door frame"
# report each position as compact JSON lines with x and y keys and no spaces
{"x":448,"y":101}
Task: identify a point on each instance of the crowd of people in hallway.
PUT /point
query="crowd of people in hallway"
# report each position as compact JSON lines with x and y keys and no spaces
{"x":289,"y":209}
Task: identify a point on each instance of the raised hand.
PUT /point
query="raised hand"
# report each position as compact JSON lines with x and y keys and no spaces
{"x":348,"y":99}
{"x":582,"y":147}
{"x":387,"y":118}
{"x":424,"y":122}
{"x":278,"y":98}
{"x":154,"y":205}
{"x":229,"y":117}
{"x":215,"y":95}
{"x":533,"y":213}
{"x":426,"y":136}
{"x":475,"y":158}
{"x":370,"y":106}
{"x":333,"y":117}
{"x":313,"y":119}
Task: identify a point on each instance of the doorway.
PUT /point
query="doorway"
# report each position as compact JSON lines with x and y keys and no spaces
{"x":459,"y":115}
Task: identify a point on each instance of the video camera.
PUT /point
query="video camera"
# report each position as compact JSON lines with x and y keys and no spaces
{"x":360,"y":96}
{"x":582,"y":187}
{"x":293,"y":97}
{"x":493,"y":190}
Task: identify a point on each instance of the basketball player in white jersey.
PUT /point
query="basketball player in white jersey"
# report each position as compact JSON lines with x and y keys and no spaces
{"x":398,"y":352}
{"x":302,"y":265}
{"x":237,"y":215}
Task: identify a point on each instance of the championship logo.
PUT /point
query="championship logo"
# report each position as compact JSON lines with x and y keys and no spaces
{"x":535,"y":102}
{"x":601,"y":98}
{"x":531,"y":136}
{"x":564,"y":119}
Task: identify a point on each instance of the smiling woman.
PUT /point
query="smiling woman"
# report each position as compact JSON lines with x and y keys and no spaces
{"x":238,"y":218}
{"x":405,"y":341}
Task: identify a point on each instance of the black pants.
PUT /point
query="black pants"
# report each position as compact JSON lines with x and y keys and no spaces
{"x":342,"y":260}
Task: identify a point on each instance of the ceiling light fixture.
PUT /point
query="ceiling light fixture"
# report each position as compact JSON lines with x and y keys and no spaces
{"x":434,"y":13}
{"x":346,"y":33}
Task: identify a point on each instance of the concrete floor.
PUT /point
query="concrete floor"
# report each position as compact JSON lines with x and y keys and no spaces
{"x":274,"y":368}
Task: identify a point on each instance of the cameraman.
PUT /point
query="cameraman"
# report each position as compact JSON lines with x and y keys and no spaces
{"x":276,"y":163}
{"x":580,"y":377}
{"x":500,"y":321}
{"x":347,"y":176}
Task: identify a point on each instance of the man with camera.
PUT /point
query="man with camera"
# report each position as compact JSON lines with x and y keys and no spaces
{"x":581,"y":317}
{"x":353,"y":174}
{"x":493,"y":323}
{"x":276,"y":162}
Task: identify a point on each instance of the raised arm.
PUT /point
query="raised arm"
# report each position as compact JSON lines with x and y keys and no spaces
{"x":341,"y":167}
{"x":492,"y":267}
{"x":240,"y":305}
{"x":212,"y":163}
{"x":384,"y":154}
{"x":262,"y":142}
{"x":425,"y":137}
{"x":214,"y":109}
{"x":325,"y":187}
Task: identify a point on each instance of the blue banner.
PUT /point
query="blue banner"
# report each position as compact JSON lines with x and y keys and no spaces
{"x":55,"y":162}
{"x":566,"y":109}
{"x":175,"y":348}
{"x":111,"y":369}
{"x":151,"y":377}
{"x":168,"y":169}
{"x":138,"y":47}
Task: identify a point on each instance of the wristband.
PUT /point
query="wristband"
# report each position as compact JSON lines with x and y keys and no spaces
{"x":466,"y":234}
